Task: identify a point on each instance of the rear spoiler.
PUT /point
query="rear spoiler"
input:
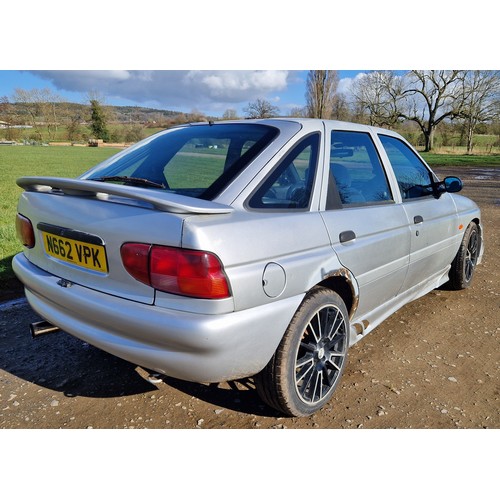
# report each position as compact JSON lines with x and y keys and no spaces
{"x":166,"y":202}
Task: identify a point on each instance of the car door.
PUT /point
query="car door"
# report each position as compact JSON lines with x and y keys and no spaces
{"x":367,"y":227}
{"x":432,"y":221}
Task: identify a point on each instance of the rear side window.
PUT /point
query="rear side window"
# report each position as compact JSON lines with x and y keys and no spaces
{"x":198,"y":161}
{"x":356,"y":170}
{"x":414,"y":179}
{"x":290,"y":184}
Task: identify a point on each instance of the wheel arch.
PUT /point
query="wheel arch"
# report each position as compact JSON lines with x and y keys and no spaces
{"x":343,"y":282}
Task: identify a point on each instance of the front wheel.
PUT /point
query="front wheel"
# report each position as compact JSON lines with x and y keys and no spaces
{"x":306,"y":368}
{"x":464,"y":263}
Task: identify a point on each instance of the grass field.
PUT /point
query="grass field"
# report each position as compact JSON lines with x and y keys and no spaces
{"x":456,"y":160}
{"x":61,"y":161}
{"x":17,"y":161}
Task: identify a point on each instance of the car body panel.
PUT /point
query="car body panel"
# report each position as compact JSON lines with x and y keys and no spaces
{"x":435,"y":240}
{"x":379,"y":254}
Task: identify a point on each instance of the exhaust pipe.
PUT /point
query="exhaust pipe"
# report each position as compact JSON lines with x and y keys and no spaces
{"x":42,"y":328}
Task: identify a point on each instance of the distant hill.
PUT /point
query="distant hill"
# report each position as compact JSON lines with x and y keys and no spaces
{"x":141,"y":114}
{"x":118,"y":114}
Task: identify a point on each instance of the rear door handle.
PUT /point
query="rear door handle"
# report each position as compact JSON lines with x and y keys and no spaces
{"x":418,"y":219}
{"x":346,"y":236}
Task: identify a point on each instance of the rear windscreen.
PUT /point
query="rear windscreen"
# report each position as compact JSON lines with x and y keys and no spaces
{"x":197,"y":161}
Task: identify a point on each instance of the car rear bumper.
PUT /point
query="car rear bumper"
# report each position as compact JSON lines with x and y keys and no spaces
{"x":188,"y":346}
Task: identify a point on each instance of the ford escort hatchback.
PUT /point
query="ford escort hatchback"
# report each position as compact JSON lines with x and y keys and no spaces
{"x":260,"y":248}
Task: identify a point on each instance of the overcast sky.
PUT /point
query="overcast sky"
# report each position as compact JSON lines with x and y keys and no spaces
{"x":211,"y":92}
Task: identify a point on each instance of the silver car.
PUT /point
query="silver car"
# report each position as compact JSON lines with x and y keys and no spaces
{"x":260,"y":248}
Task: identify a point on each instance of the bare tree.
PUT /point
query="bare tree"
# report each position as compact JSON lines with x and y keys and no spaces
{"x":481,"y":90}
{"x":374,"y":93}
{"x":6,"y":115}
{"x":4,"y":107}
{"x":340,"y":108}
{"x":230,"y":114}
{"x":321,"y":88}
{"x":260,"y":109}
{"x":38,"y":107}
{"x":429,"y":97}
{"x":298,"y":112}
{"x":73,"y":128}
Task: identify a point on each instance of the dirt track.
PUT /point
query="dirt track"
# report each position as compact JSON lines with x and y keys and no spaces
{"x":434,"y":364}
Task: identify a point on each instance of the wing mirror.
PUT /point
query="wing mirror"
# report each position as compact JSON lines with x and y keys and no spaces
{"x":448,"y":185}
{"x":453,"y":184}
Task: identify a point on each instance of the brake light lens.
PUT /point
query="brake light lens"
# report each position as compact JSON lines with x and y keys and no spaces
{"x":25,"y":232}
{"x":192,"y":273}
{"x":135,"y":258}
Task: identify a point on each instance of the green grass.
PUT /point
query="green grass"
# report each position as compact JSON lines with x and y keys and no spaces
{"x":18,"y":161}
{"x":61,"y":134}
{"x":454,"y":160}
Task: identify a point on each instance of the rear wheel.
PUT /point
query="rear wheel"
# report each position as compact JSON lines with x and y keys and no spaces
{"x":464,"y":263}
{"x":307,"y":365}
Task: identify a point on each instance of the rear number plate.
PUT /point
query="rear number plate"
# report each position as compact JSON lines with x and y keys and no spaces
{"x":81,"y":253}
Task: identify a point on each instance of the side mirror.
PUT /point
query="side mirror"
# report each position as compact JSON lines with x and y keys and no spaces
{"x":452,"y":184}
{"x":449,"y":185}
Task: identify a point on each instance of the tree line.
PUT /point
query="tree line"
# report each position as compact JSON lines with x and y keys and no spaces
{"x":50,"y":118}
{"x":467,"y":100}
{"x":430,"y":98}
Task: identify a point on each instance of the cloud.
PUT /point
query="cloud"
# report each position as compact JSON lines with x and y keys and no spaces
{"x":345,"y":84}
{"x":173,"y":89}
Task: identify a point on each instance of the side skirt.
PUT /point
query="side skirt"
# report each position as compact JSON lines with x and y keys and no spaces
{"x":362,"y":326}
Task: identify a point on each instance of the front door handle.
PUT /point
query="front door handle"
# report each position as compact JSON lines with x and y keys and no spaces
{"x":418,"y":219}
{"x":346,"y":236}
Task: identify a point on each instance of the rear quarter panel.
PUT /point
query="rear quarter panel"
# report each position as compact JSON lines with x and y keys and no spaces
{"x":247,"y":242}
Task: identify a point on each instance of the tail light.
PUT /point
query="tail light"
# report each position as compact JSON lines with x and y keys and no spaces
{"x":192,"y":273}
{"x":25,"y":232}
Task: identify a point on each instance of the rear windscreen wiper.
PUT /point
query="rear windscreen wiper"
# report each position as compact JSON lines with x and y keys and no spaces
{"x":135,"y":181}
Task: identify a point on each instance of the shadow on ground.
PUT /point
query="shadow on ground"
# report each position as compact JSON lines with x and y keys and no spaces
{"x":63,"y":363}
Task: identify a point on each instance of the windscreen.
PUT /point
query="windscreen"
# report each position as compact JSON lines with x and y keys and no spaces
{"x":197,"y":161}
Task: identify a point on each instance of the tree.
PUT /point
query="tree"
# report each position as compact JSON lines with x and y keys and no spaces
{"x":340,"y":108}
{"x":481,"y":90}
{"x":6,"y":115}
{"x":320,"y":93}
{"x":374,"y":93}
{"x":98,"y":124}
{"x":73,"y":129}
{"x":298,"y":112}
{"x":429,"y":97}
{"x":38,"y":107}
{"x":260,"y":109}
{"x":230,"y":114}
{"x":4,"y":107}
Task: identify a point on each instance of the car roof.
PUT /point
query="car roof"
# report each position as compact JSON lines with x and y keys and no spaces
{"x":336,"y":124}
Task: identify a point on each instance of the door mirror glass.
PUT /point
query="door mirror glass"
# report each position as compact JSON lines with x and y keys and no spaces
{"x":452,"y":184}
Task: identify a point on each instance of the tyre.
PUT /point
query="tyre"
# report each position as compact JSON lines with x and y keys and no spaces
{"x":306,"y":368}
{"x":464,"y":263}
